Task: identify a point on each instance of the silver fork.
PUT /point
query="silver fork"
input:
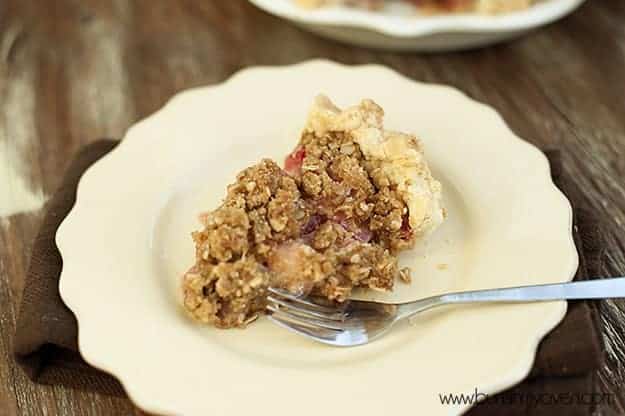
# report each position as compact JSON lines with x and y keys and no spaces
{"x":357,"y":322}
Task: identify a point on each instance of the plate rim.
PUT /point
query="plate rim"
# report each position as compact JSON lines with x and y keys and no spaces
{"x":63,"y":237}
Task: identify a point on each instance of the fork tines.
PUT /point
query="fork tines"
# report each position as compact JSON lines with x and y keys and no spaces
{"x":288,"y":309}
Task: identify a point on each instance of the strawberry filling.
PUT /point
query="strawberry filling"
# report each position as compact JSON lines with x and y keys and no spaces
{"x":405,"y":231}
{"x":313,"y":223}
{"x":449,"y":5}
{"x":359,"y":232}
{"x":293,"y":162}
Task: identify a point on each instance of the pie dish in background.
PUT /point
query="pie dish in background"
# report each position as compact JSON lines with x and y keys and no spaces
{"x":398,"y":28}
{"x":126,"y":243}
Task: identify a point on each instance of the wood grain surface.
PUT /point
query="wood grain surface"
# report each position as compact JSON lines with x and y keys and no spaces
{"x":72,"y":71}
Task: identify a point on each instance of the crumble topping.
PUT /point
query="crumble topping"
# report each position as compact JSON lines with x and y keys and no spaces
{"x":394,"y":160}
{"x":350,"y":197}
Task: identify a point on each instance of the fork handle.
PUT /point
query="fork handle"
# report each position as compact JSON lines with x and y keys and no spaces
{"x":588,"y":289}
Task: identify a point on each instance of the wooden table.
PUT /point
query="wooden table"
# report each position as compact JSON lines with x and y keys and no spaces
{"x":73,"y":71}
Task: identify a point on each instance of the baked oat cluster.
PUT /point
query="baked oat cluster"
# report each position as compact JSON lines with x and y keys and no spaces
{"x":431,"y":6}
{"x":351,"y":196}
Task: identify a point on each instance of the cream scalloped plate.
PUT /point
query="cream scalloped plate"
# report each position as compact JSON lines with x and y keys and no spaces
{"x":399,"y":27}
{"x":126,"y":243}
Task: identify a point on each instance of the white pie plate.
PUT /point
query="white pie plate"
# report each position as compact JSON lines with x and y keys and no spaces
{"x":399,"y":28}
{"x":126,"y":243}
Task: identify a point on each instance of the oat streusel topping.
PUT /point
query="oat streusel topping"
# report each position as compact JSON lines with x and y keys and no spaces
{"x":350,"y":197}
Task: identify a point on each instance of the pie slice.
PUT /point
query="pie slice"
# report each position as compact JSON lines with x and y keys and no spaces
{"x":350,"y":197}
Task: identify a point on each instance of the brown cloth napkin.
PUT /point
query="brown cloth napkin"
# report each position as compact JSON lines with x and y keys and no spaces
{"x":45,"y":344}
{"x":46,"y":338}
